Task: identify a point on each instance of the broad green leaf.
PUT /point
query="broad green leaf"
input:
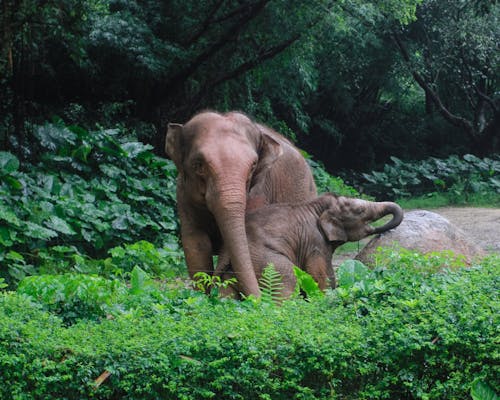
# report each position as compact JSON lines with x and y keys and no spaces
{"x":82,"y":152}
{"x":111,"y":170}
{"x":54,"y":137}
{"x":36,"y":231}
{"x":120,"y":223}
{"x":59,"y":225}
{"x":481,"y":391}
{"x":14,"y":256}
{"x":13,"y":182}
{"x":307,"y":283}
{"x":350,"y":272}
{"x":134,"y":148}
{"x":8,"y":163}
{"x":138,"y":279}
{"x":7,"y":236}
{"x":9,"y":216}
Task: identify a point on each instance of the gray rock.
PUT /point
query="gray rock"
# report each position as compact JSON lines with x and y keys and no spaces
{"x":424,"y":231}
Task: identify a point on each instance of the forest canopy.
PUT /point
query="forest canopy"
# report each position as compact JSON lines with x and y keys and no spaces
{"x":353,"y":82}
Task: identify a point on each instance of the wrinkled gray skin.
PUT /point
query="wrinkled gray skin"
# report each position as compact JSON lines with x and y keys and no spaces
{"x":306,"y":235}
{"x":228,"y":164}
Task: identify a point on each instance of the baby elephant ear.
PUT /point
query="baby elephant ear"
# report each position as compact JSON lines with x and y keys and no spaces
{"x":332,"y":227}
{"x":173,"y":143}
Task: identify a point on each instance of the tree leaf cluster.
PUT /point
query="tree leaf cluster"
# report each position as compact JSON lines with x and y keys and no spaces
{"x":353,"y":82}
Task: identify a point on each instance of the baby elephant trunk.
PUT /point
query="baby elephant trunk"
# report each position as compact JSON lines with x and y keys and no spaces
{"x":386,"y":208}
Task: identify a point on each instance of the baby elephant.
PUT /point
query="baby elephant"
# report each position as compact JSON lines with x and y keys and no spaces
{"x":307,"y":234}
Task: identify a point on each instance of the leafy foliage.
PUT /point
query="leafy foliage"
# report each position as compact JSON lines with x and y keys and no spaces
{"x":76,"y":297}
{"x":306,"y":284}
{"x":458,"y":177}
{"x":328,"y":183}
{"x":271,"y":285}
{"x":453,"y":59}
{"x":87,"y":194}
{"x":412,"y":333}
{"x":211,"y":284}
{"x":327,"y":72}
{"x":481,"y":391}
{"x":72,"y":296}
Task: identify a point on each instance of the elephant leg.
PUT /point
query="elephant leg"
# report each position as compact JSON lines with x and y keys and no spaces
{"x":223,"y":261}
{"x":320,"y":269}
{"x":198,"y":251}
{"x":232,"y":291}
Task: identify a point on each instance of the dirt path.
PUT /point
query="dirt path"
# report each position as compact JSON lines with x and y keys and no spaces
{"x":482,"y":224}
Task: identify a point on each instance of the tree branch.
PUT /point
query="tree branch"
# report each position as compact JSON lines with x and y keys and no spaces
{"x":262,"y":56}
{"x":206,"y":24}
{"x":250,"y":64}
{"x":445,"y":113}
{"x":251,"y":13}
{"x":486,"y":98}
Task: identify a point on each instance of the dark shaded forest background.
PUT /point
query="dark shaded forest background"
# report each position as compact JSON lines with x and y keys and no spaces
{"x":352,"y":82}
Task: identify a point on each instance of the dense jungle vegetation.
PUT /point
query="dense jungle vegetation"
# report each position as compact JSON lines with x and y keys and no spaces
{"x":399,"y":98}
{"x":355,"y":82}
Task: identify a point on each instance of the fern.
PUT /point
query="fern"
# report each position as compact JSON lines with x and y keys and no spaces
{"x":271,"y":285}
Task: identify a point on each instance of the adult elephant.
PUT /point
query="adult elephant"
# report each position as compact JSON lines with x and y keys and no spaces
{"x":228,"y":164}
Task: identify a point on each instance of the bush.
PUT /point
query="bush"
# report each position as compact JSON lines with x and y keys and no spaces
{"x":328,"y":183}
{"x":395,"y":332}
{"x":461,"y":179}
{"x":76,"y":297}
{"x":88,"y":193}
{"x":73,"y":296}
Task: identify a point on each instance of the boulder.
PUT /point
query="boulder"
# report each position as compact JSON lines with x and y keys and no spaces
{"x":425,"y":232}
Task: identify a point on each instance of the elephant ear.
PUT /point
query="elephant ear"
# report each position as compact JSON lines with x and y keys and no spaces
{"x":332,"y":227}
{"x":173,"y":143}
{"x":270,"y":151}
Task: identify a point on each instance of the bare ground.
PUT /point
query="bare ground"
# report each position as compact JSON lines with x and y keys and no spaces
{"x":481,"y":225}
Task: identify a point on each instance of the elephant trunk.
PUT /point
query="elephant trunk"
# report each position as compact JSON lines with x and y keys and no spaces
{"x":387,"y":208}
{"x":228,"y":207}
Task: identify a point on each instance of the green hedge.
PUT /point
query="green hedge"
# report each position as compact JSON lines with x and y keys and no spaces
{"x":393,"y":333}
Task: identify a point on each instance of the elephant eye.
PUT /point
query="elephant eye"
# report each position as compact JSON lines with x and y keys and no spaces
{"x":198,"y":167}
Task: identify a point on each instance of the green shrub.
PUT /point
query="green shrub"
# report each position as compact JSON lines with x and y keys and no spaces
{"x":159,"y":262}
{"x":328,"y":183}
{"x":73,"y":296}
{"x":415,"y":334}
{"x":89,"y":192}
{"x":463,"y":180}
